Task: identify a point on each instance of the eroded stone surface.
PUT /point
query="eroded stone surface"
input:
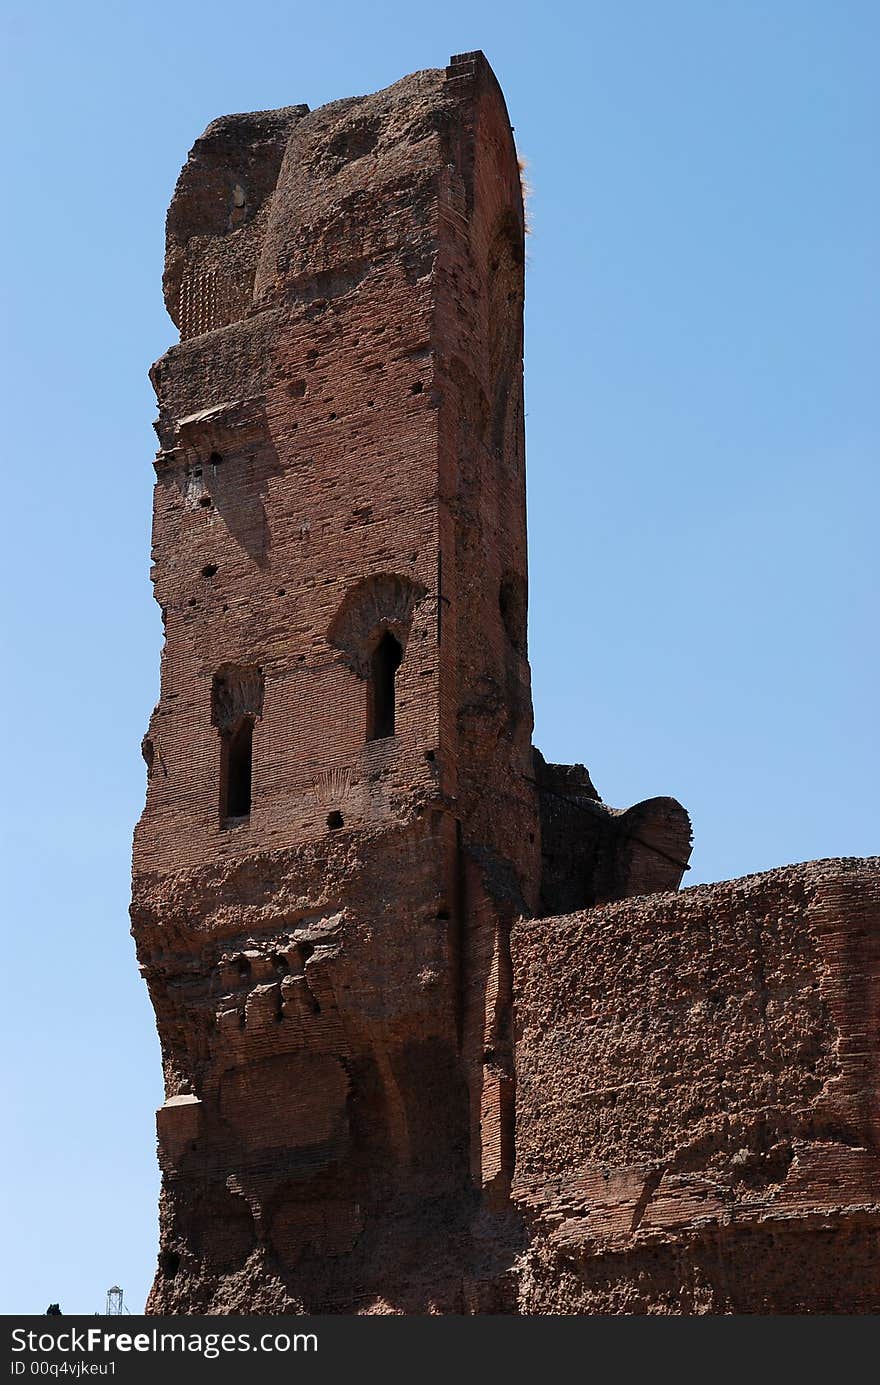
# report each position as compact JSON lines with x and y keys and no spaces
{"x":697,"y":1098}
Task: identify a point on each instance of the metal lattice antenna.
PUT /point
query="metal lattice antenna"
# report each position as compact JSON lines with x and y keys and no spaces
{"x":115,"y":1306}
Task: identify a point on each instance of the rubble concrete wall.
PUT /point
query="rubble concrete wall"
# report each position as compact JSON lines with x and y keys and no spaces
{"x":698,"y":1098}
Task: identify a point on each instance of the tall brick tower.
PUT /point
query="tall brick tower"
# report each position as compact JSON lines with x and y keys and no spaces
{"x":341,"y":818}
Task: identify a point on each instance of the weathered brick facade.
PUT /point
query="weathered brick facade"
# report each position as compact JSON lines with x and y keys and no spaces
{"x":697,"y":1098}
{"x":367,"y":1109}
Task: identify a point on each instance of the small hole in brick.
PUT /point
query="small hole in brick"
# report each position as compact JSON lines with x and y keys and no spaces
{"x":197,"y":472}
{"x":331,"y":417}
{"x":531,"y":836}
{"x":192,"y":601}
{"x":416,"y":388}
{"x":334,"y":820}
{"x":297,"y":388}
{"x":206,"y":502}
{"x":209,"y":570}
{"x":169,"y":1263}
{"x":369,"y":403}
{"x":280,"y":591}
{"x":443,"y":914}
{"x":215,"y":459}
{"x":225,"y":606}
{"x":293,"y":427}
{"x":429,"y":755}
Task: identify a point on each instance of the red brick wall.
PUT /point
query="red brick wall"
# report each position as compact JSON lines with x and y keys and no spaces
{"x":697,"y":1098}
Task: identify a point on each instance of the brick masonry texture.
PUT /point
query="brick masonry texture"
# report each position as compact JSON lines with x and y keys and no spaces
{"x":375,"y":1102}
{"x":698,"y":1098}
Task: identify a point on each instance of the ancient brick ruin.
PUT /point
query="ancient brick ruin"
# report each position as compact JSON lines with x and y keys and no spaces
{"x":438,"y":1033}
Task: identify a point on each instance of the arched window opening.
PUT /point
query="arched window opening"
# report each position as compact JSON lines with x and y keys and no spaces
{"x":238,"y":750}
{"x":385,"y":662}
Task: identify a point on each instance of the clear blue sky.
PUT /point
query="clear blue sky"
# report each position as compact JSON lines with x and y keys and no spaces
{"x":701,"y":372}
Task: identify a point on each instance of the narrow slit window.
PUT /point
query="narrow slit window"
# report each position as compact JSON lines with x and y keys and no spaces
{"x":384,"y":664}
{"x":238,"y":751}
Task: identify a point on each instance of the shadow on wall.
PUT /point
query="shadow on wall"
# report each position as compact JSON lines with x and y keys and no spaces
{"x":231,"y":461}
